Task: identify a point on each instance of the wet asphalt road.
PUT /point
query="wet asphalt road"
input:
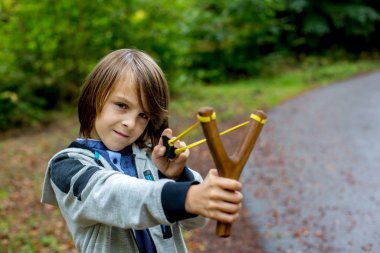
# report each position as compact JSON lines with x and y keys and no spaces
{"x":312,"y":183}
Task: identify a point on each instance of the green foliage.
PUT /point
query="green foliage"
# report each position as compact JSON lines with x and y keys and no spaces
{"x":320,"y":25}
{"x":48,"y":47}
{"x":228,"y":38}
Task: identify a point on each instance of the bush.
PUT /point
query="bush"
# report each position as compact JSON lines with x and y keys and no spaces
{"x":48,"y":47}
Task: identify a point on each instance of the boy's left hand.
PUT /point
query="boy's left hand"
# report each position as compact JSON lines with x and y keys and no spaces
{"x":172,"y":168}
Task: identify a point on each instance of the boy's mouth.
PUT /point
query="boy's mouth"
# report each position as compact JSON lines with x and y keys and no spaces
{"x":121,"y":134}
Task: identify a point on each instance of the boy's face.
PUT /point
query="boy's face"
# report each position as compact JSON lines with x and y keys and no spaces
{"x":122,"y":120}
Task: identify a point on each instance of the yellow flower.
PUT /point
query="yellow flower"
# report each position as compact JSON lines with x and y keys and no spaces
{"x":139,"y":16}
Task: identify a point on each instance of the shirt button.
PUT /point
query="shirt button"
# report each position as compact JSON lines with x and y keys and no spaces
{"x":114,"y":161}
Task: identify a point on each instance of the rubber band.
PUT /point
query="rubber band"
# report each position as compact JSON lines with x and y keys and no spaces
{"x":258,"y":119}
{"x":171,"y":142}
{"x":201,"y":119}
{"x":205,"y":119}
{"x":180,"y":150}
{"x":234,"y":128}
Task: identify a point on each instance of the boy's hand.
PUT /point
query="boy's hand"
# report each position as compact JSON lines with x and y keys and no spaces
{"x":216,"y":198}
{"x":172,"y":168}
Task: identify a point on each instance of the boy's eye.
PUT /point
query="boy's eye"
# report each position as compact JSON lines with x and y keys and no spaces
{"x":143,"y":115}
{"x":121,"y":105}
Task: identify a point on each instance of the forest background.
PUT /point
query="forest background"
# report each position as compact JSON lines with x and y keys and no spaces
{"x":235,"y":55}
{"x":48,"y":47}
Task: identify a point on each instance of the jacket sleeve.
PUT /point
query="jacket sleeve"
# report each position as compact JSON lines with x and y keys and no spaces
{"x":88,"y":194}
{"x":197,"y":221}
{"x":173,"y":200}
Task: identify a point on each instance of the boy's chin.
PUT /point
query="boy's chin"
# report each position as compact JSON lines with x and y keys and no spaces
{"x":115,"y":147}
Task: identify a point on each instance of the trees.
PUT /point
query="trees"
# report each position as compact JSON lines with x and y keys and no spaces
{"x":48,"y":47}
{"x":228,"y":38}
{"x":314,"y":26}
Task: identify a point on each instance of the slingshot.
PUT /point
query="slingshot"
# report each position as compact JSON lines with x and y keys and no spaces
{"x":230,"y":167}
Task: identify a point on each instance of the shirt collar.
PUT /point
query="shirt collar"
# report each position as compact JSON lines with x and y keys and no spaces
{"x":97,"y":144}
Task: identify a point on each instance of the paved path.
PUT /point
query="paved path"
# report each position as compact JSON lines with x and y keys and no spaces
{"x":313,"y":181}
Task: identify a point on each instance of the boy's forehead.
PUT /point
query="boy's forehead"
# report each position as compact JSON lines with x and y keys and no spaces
{"x":127,"y":90}
{"x":125,"y":87}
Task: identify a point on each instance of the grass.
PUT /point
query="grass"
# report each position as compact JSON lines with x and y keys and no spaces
{"x":28,"y":226}
{"x":235,"y":98}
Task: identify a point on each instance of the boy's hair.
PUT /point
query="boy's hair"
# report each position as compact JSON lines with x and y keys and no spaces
{"x":151,"y":87}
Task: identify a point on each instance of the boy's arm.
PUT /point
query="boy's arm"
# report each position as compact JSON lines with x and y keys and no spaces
{"x":173,"y":199}
{"x":88,"y":194}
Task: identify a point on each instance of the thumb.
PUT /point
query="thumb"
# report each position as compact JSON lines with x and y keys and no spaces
{"x":167,"y":132}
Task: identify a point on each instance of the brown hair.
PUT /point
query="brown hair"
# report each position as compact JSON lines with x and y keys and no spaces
{"x":150,"y":84}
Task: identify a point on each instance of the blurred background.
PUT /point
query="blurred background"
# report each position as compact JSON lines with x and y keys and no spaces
{"x":48,"y":47}
{"x":212,"y":51}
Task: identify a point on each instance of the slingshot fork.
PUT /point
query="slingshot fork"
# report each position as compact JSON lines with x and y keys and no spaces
{"x":230,"y":167}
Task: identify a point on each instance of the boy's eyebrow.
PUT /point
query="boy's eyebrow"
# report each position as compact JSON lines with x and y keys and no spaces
{"x":129,"y":102}
{"x":122,"y":97}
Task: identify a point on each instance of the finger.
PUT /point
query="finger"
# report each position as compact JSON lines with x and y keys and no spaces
{"x":229,"y":208}
{"x":235,"y":197}
{"x":161,"y":151}
{"x":182,"y":157}
{"x":228,"y":184}
{"x":158,"y":151}
{"x":167,"y":132}
{"x":222,"y":182}
{"x":212,"y":173}
{"x":186,"y":153}
{"x":223,"y":195}
{"x":225,"y":217}
{"x":179,"y":144}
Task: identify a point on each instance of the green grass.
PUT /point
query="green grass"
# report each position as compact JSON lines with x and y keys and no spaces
{"x":238,"y":98}
{"x":234,"y":101}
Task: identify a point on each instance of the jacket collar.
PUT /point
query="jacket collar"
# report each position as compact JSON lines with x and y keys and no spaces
{"x":136,"y":151}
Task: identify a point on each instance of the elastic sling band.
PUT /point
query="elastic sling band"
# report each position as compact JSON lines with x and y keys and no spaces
{"x":205,"y":120}
{"x":171,"y":142}
{"x":258,"y":119}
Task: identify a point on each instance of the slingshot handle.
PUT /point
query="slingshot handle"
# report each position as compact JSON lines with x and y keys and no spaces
{"x":223,"y":229}
{"x":230,"y":167}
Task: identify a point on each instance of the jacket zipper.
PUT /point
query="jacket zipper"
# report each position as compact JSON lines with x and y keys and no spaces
{"x":165,"y":229}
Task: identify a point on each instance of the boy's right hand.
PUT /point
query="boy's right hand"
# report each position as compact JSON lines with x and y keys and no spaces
{"x":216,"y":198}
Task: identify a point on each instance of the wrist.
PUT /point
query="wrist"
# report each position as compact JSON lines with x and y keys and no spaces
{"x":173,"y":198}
{"x":168,"y":175}
{"x":190,"y":201}
{"x":184,"y":176}
{"x":175,"y":177}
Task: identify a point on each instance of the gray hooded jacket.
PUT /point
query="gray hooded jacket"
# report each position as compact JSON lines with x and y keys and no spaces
{"x":102,"y":207}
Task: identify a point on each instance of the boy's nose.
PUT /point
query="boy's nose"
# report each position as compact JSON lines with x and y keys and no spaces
{"x":129,"y":122}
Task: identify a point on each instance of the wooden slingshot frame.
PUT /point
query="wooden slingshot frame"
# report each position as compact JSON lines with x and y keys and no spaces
{"x":230,"y":167}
